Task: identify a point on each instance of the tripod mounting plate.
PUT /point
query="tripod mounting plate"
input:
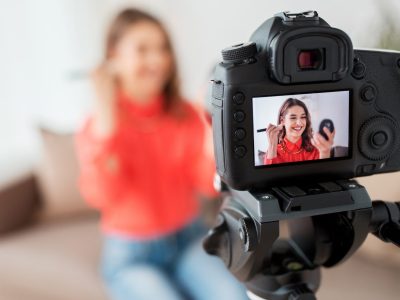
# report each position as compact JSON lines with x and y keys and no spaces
{"x":290,"y":202}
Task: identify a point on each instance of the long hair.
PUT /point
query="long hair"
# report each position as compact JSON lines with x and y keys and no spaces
{"x":119,"y":26}
{"x":308,"y":132}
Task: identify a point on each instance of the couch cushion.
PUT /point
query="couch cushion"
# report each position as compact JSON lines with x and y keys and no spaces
{"x":18,"y":202}
{"x":60,"y":261}
{"x":58,"y":177}
{"x":52,"y":260}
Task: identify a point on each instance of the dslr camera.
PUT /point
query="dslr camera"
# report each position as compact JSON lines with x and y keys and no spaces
{"x":296,"y":114}
{"x":299,"y":56}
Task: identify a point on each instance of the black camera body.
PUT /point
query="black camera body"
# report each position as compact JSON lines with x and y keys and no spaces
{"x":300,"y":54}
{"x":296,"y":114}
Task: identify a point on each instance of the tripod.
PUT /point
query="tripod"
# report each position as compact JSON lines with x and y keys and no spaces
{"x":327,"y":221}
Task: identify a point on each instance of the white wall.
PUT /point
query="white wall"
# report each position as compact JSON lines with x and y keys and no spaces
{"x":42,"y":43}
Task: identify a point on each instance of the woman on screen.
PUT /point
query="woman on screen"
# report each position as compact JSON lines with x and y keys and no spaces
{"x":292,"y":139}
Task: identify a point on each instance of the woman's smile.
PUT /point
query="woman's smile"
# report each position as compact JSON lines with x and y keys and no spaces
{"x":298,"y":128}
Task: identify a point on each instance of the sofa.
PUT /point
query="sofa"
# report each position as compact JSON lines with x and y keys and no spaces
{"x":50,"y":241}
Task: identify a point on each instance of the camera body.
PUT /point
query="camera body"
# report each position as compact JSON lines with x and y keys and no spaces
{"x":301,"y":56}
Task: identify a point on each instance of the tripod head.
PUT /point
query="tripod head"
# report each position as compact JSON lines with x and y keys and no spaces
{"x":246,"y":235}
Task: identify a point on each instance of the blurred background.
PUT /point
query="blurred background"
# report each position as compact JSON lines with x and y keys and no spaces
{"x":48,"y":49}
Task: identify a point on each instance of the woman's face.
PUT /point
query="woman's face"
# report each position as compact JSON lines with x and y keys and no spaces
{"x":142,"y":59}
{"x":295,"y":122}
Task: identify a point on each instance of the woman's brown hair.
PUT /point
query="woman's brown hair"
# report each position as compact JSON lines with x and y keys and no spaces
{"x":121,"y":23}
{"x":307,"y":134}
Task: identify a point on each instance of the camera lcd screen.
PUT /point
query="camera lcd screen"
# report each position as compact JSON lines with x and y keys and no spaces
{"x":301,"y":127}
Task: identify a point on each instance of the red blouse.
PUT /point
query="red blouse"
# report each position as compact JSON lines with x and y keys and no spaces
{"x":144,"y":178}
{"x":290,"y":152}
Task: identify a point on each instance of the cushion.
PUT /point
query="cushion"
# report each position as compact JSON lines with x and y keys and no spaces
{"x":57,"y":175}
{"x":53,"y":260}
{"x":339,"y":151}
{"x":18,"y":201}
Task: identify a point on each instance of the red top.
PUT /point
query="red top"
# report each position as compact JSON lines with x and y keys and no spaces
{"x":289,"y":152}
{"x":144,"y":178}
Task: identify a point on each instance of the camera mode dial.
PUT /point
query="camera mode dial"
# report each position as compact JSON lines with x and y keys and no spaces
{"x":239,"y":53}
{"x":378,"y":138}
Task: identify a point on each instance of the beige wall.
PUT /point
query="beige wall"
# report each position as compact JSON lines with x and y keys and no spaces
{"x":383,"y":186}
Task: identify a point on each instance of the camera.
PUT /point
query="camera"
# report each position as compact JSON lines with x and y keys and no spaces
{"x":297,"y":104}
{"x":296,"y":114}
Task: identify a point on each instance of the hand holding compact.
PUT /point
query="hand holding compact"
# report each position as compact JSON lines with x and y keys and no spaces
{"x":323,"y":145}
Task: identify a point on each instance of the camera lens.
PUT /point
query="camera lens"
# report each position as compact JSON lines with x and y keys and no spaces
{"x":309,"y":59}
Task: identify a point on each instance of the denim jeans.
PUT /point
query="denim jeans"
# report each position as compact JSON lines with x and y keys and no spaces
{"x":168,"y":268}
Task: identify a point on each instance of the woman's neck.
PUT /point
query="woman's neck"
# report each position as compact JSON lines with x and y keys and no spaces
{"x":136,"y":95}
{"x":292,"y":139}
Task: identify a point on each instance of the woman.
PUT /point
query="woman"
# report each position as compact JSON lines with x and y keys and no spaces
{"x":293,"y":139}
{"x":144,"y":154}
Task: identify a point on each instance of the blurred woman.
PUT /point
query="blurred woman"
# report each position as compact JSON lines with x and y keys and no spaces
{"x":293,"y":139}
{"x":145,"y":155}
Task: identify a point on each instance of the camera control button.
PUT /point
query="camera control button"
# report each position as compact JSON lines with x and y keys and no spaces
{"x":368,"y":169}
{"x":359,"y":70}
{"x":240,"y":151}
{"x":240,"y":133}
{"x":238,"y":98}
{"x":330,"y":186}
{"x":368,"y":93}
{"x":239,"y":53}
{"x":293,"y":191}
{"x":239,"y":116}
{"x":379,"y":139}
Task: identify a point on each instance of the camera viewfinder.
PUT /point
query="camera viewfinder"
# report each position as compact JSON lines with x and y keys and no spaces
{"x":310,"y":59}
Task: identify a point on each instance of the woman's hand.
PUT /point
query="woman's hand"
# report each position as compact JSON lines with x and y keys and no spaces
{"x":323,"y":145}
{"x":104,"y":84}
{"x":272,"y":136}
